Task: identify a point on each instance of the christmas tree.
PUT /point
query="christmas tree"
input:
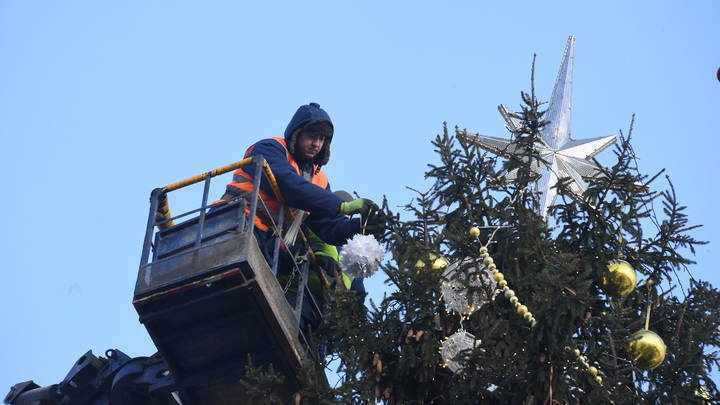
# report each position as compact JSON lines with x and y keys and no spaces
{"x":509,"y":288}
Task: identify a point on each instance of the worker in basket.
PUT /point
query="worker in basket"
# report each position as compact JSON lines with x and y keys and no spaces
{"x":296,"y":162}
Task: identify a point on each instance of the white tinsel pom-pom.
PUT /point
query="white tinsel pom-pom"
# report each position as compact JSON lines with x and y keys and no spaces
{"x":361,"y":256}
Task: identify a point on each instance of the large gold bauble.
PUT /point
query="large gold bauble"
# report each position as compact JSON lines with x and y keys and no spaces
{"x":618,"y":280}
{"x":647,"y":349}
{"x":437,"y":263}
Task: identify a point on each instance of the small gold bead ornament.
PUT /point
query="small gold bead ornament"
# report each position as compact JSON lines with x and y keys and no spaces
{"x":499,"y":278}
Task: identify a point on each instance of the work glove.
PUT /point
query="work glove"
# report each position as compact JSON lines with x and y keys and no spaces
{"x":361,"y":206}
{"x":375,"y":224}
{"x":329,"y":266}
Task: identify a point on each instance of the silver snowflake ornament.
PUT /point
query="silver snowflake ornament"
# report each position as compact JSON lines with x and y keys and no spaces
{"x":562,"y":156}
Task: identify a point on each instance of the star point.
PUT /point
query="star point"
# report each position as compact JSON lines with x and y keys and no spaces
{"x":561,"y":156}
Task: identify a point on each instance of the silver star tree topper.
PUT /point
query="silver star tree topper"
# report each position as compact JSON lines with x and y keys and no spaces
{"x":562,"y":157}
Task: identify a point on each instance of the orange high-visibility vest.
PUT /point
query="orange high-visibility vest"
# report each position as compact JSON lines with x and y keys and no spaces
{"x":243,"y":181}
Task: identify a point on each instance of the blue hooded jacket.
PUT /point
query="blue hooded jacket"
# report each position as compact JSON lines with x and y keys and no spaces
{"x":298,"y":192}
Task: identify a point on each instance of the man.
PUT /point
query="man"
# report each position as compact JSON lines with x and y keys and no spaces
{"x":296,"y":161}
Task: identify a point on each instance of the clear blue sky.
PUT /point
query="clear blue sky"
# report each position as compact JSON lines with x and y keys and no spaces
{"x":100,"y":102}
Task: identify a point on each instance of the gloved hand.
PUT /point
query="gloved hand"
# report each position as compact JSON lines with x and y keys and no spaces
{"x":329,"y":266}
{"x":375,"y":224}
{"x":361,"y":206}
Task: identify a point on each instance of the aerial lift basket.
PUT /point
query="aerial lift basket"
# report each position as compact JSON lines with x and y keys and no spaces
{"x":209,"y":299}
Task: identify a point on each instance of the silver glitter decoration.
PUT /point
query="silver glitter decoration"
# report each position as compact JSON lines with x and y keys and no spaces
{"x":454,"y":345}
{"x":563,"y":157}
{"x":467,"y":285}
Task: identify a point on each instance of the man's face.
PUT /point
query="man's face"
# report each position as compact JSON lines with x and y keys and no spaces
{"x":308,"y":145}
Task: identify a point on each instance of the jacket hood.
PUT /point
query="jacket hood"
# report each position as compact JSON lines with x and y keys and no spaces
{"x":305,"y":116}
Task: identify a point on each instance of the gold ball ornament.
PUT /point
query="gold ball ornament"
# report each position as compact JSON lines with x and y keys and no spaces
{"x":618,"y":280}
{"x":593,"y":371}
{"x":646,"y":348}
{"x":474,"y":232}
{"x":438,"y":262}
